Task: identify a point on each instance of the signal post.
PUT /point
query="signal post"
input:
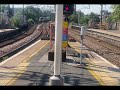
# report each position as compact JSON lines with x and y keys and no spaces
{"x":67,"y":10}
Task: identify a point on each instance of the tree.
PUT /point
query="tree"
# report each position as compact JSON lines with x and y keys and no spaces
{"x":74,"y":17}
{"x":3,"y":7}
{"x":15,"y":21}
{"x":84,"y":20}
{"x":94,"y":17}
{"x":32,"y":13}
{"x":48,"y":13}
{"x":110,"y":18}
{"x":116,"y":12}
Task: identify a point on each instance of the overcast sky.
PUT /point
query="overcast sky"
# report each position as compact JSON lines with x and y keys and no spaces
{"x":85,"y":8}
{"x":92,"y":8}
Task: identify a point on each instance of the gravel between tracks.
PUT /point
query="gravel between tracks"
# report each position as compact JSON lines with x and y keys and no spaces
{"x":19,"y":43}
{"x":108,"y":51}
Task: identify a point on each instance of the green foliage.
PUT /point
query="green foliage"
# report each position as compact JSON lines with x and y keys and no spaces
{"x":32,"y":13}
{"x":94,"y":17}
{"x":30,"y":21}
{"x":48,"y":13}
{"x":4,"y":58}
{"x":115,"y":16}
{"x":109,"y":18}
{"x":73,"y":18}
{"x":15,"y":20}
{"x":3,"y":7}
{"x":84,"y":20}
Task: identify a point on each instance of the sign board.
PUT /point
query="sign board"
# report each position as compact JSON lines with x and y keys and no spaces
{"x":65,"y":31}
{"x":83,"y":30}
{"x":65,"y":37}
{"x":64,"y":44}
{"x":65,"y":24}
{"x":65,"y":34}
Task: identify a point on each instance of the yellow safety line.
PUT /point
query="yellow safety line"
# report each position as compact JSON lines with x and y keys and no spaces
{"x":35,"y":52}
{"x":91,"y":71}
{"x":96,"y":75}
{"x":18,"y":75}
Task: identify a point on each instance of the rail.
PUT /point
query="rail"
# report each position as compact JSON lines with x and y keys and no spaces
{"x":20,"y":47}
{"x":109,"y":37}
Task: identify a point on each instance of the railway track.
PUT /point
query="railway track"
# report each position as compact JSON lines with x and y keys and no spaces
{"x":16,"y":37}
{"x":22,"y":41}
{"x":107,"y":50}
{"x":109,"y":38}
{"x":7,"y":36}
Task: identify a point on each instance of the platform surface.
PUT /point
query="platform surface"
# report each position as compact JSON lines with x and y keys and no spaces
{"x":36,"y":69}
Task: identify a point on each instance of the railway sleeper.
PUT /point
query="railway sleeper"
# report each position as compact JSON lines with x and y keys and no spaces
{"x":106,"y":39}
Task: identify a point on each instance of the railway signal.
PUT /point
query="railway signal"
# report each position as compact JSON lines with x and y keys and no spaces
{"x":68,"y":9}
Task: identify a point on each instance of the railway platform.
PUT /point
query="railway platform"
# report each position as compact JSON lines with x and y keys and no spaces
{"x":6,"y":30}
{"x":106,"y":32}
{"x":105,"y":72}
{"x":109,"y":32}
{"x":31,"y":67}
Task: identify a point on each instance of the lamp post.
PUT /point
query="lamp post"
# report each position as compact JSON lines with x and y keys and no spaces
{"x":101,"y":17}
{"x":82,"y":34}
{"x":78,"y":19}
{"x":23,"y":14}
{"x":1,"y":14}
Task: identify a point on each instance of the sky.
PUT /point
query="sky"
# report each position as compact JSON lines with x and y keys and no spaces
{"x":85,"y":8}
{"x":96,"y":8}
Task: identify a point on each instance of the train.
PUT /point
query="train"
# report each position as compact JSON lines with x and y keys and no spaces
{"x":42,"y":19}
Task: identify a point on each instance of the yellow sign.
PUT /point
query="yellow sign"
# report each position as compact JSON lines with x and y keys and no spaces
{"x":65,"y":24}
{"x":64,"y":44}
